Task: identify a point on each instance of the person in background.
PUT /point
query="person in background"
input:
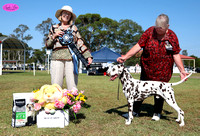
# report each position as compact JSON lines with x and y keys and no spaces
{"x":160,"y":50}
{"x":63,"y":63}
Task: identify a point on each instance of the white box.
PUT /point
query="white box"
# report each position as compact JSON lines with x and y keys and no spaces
{"x":58,"y":120}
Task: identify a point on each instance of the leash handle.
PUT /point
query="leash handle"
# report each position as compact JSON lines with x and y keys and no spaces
{"x":118,"y":89}
{"x":118,"y":83}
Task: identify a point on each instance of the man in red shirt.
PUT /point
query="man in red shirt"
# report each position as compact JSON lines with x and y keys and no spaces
{"x":160,"y":50}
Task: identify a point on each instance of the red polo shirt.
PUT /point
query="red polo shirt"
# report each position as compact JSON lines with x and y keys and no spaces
{"x":156,"y":61}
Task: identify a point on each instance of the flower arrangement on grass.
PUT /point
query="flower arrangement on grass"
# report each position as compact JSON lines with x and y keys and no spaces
{"x":52,"y":97}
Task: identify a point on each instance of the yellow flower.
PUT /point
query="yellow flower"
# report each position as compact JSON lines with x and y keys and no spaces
{"x":77,"y":97}
{"x":70,"y":95}
{"x":36,"y":90}
{"x":82,"y":99}
{"x":84,"y":96}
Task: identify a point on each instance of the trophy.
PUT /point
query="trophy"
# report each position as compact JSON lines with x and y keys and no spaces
{"x":67,"y":40}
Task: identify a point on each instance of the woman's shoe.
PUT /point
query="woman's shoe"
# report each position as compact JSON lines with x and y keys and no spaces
{"x":156,"y":117}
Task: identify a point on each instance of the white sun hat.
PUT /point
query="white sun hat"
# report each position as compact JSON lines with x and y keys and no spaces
{"x":66,"y":8}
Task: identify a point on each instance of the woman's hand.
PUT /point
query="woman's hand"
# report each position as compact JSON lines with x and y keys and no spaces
{"x":121,"y":59}
{"x":57,"y":34}
{"x":89,"y":61}
{"x":183,"y":74}
{"x":136,"y":48}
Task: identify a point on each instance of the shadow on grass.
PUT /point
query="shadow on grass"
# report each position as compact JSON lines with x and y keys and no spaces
{"x":79,"y":116}
{"x":11,"y":72}
{"x":145,"y":110}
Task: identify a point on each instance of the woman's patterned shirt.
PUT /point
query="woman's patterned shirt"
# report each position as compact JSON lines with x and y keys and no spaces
{"x":156,"y":61}
{"x":61,"y":52}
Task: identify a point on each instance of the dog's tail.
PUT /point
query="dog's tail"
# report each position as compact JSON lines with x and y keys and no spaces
{"x":173,"y":84}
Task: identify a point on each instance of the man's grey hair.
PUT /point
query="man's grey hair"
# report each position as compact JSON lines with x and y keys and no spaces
{"x":162,"y":21}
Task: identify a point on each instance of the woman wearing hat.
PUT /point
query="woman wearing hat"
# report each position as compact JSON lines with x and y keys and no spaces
{"x":62,"y":62}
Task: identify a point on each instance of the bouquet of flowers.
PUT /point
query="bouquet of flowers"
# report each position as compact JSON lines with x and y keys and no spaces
{"x":73,"y":99}
{"x":52,"y":97}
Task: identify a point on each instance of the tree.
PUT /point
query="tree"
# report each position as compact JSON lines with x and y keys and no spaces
{"x":184,"y":52}
{"x":84,"y":20}
{"x":96,"y":31}
{"x":38,"y":56}
{"x":99,"y":32}
{"x":44,"y":27}
{"x":107,"y":33}
{"x":87,"y":25}
{"x":19,"y":33}
{"x":186,"y":63}
{"x":197,"y":61}
{"x":2,"y":35}
{"x":129,"y":33}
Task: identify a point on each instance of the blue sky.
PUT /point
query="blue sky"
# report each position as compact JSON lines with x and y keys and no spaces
{"x":184,"y":16}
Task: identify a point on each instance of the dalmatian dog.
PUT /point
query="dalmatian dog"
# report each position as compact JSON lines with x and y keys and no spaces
{"x":137,"y":90}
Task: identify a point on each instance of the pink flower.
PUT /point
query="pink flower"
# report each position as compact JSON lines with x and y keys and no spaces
{"x":41,"y":103}
{"x":37,"y":106}
{"x":74,"y":91}
{"x":59,"y":104}
{"x":82,"y":92}
{"x":33,"y":100}
{"x":76,"y":107}
{"x":69,"y":101}
{"x":66,"y":92}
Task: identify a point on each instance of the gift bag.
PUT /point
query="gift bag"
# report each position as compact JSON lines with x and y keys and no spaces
{"x":23,"y":113}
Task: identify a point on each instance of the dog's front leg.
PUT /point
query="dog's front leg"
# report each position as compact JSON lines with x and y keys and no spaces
{"x":130,"y":113}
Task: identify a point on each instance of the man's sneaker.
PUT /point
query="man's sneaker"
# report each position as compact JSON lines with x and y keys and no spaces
{"x":156,"y":117}
{"x":134,"y":114}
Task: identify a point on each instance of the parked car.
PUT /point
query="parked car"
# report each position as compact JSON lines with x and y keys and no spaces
{"x":96,"y":69}
{"x":197,"y":70}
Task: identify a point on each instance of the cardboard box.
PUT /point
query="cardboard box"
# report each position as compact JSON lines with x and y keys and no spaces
{"x":58,"y":120}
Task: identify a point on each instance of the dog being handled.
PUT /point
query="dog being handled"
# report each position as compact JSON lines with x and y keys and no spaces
{"x":137,"y":90}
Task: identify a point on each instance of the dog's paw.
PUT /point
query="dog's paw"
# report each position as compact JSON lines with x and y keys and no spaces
{"x":182,"y":124}
{"x":178,"y":120}
{"x":127,"y":122}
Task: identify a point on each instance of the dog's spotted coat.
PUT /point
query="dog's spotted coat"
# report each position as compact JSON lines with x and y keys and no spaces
{"x":136,"y":90}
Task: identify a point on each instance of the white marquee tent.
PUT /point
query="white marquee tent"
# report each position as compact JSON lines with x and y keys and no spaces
{"x":9,"y":43}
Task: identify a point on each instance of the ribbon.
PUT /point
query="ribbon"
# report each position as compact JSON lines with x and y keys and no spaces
{"x":75,"y":61}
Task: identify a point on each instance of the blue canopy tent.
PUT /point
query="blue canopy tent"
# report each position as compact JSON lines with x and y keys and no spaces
{"x":105,"y":55}
{"x":101,"y":59}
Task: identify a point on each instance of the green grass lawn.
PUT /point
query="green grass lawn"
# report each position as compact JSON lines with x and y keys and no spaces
{"x":104,"y":115}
